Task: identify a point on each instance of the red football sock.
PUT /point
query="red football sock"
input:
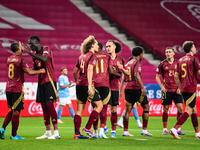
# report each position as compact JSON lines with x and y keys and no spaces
{"x":15,"y":124}
{"x":93,"y":117}
{"x":125,"y":125}
{"x":77,"y":124}
{"x":113,"y":120}
{"x":103,"y":116}
{"x":195,"y":122}
{"x":53,"y":114}
{"x":178,"y":115}
{"x":95,"y":124}
{"x":181,"y":120}
{"x":145,"y":122}
{"x":46,"y":115}
{"x":164,"y":119}
{"x":7,"y":119}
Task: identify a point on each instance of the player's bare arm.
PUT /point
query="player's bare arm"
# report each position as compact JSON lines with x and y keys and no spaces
{"x":89,"y":77}
{"x":120,"y":66}
{"x":113,"y":72}
{"x":33,"y":72}
{"x":176,"y":77}
{"x":75,"y":74}
{"x":139,"y":81}
{"x":160,"y":84}
{"x":41,"y":58}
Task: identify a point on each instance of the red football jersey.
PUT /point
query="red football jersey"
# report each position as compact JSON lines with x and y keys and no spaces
{"x":114,"y":80}
{"x":48,"y":66}
{"x":101,"y":73}
{"x":167,"y":71}
{"x":16,"y":64}
{"x":133,"y":66}
{"x":187,"y":67}
{"x":82,"y":65}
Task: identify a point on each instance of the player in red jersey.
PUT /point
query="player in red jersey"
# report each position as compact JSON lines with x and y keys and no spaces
{"x":113,"y":48}
{"x":101,"y":83}
{"x":46,"y":92}
{"x":84,"y":87}
{"x":186,"y":78}
{"x":135,"y":90}
{"x":17,"y":65}
{"x":169,"y":88}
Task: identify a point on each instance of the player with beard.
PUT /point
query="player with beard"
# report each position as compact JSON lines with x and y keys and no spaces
{"x":186,"y":78}
{"x":135,"y":91}
{"x":114,"y":48}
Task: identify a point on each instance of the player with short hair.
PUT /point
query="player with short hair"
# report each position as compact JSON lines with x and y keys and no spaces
{"x":113,"y":48}
{"x":186,"y":78}
{"x":101,"y":83}
{"x":46,"y":92}
{"x":84,"y":87}
{"x":169,"y":88}
{"x":17,"y":65}
{"x":135,"y":90}
{"x":134,"y":110}
{"x":63,"y":93}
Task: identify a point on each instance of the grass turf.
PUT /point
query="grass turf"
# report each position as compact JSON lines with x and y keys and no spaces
{"x":31,"y":127}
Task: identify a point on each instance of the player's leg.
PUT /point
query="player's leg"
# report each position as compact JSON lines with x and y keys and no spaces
{"x":81,"y":98}
{"x":113,"y":119}
{"x":94,"y":114}
{"x":195,"y":122}
{"x":120,"y":122}
{"x":114,"y":101}
{"x":53,"y":116}
{"x":145,"y":116}
{"x":103,"y":118}
{"x":17,"y":106}
{"x":6,"y":121}
{"x":165,"y":118}
{"x":8,"y":117}
{"x":126,"y":119}
{"x":105,"y":94}
{"x":15,"y":125}
{"x":190,"y":100}
{"x":60,"y":112}
{"x":136,"y":116}
{"x":69,"y":104}
{"x":179,"y":105}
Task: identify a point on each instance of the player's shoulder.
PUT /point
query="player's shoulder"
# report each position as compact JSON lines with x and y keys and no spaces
{"x":162,"y":62}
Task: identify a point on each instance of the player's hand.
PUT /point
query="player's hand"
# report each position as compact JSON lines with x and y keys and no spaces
{"x":90,"y":90}
{"x":144,"y":91}
{"x":163,"y":90}
{"x":178,"y":91}
{"x":42,"y":70}
{"x":26,"y":48}
{"x":120,"y":66}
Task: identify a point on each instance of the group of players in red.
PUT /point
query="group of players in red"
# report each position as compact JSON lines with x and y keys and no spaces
{"x":97,"y":76}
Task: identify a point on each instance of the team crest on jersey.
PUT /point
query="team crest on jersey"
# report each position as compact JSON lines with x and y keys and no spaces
{"x":118,"y":62}
{"x":140,"y":69}
{"x":175,"y":66}
{"x":166,"y":67}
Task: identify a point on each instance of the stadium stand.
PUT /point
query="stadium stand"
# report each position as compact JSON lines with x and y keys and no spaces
{"x":156,"y":24}
{"x":60,"y":25}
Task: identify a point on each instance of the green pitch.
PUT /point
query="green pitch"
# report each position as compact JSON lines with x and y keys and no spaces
{"x":31,"y":127}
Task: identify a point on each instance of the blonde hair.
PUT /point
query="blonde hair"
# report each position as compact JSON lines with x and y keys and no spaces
{"x":87,"y":44}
